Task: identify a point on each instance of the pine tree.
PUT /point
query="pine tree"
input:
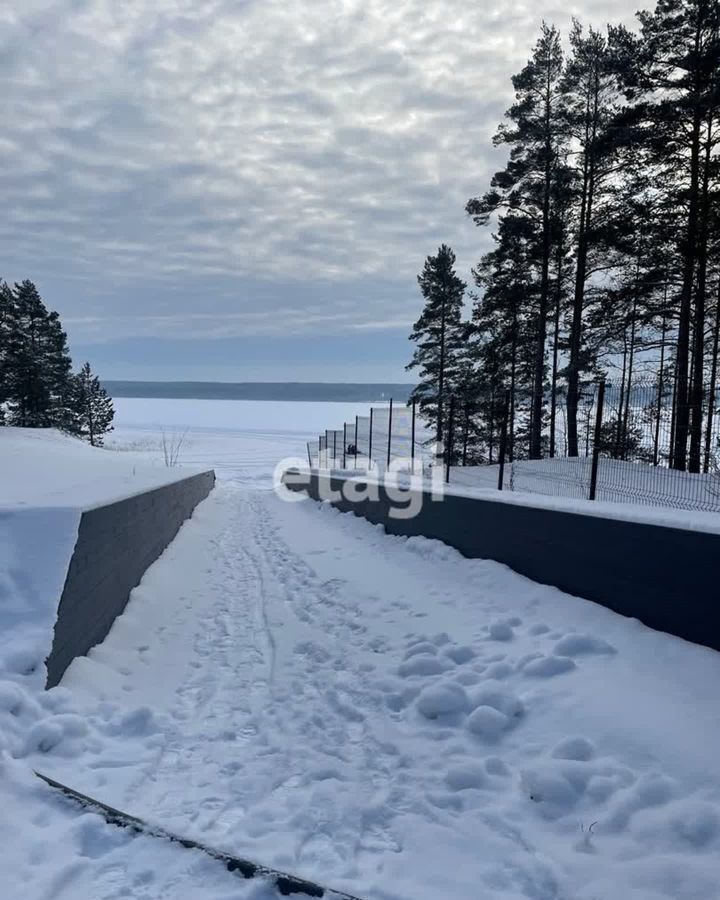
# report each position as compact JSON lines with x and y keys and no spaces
{"x":528,"y":185}
{"x":592,"y":98}
{"x":505,"y":319}
{"x":438,"y":335}
{"x":674,"y":83}
{"x":37,"y":362}
{"x":91,"y":409}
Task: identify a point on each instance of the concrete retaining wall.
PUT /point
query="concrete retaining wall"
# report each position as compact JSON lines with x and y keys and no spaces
{"x":116,"y":545}
{"x":666,"y":577}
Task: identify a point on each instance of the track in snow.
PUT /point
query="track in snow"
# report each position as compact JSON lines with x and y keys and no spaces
{"x":296,"y":660}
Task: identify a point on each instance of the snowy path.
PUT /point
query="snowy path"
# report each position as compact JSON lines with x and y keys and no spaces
{"x":386,"y":717}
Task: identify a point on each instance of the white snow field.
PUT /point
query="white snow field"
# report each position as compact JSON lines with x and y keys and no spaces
{"x":43,"y":468}
{"x":293,"y":685}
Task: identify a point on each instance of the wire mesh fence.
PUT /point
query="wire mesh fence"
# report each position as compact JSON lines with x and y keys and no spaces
{"x":633,"y":441}
{"x":623,"y":434}
{"x":390,"y":435}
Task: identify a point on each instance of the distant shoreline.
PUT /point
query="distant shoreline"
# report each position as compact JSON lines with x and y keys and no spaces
{"x":260,"y":390}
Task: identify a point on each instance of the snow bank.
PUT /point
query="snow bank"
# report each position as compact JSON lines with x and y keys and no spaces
{"x":45,"y":468}
{"x":48,"y":480}
{"x":35,"y":550}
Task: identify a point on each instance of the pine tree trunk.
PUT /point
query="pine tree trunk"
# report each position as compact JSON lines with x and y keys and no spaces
{"x":556,"y":339}
{"x":441,"y":379}
{"x":661,"y":386}
{"x":697,"y":393}
{"x":621,"y":399}
{"x":537,"y":401}
{"x":491,"y":435}
{"x":689,"y":252}
{"x":581,"y":271}
{"x":628,"y":387}
{"x":673,"y":413}
{"x":553,"y":392}
{"x":713,"y":386}
{"x":513,"y":379}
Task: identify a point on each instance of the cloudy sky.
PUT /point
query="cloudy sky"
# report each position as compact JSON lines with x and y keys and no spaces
{"x":246,"y":189}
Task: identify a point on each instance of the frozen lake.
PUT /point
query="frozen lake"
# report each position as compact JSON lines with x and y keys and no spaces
{"x":241,"y":439}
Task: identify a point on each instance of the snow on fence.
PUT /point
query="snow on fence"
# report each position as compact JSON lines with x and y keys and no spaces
{"x":624,"y":452}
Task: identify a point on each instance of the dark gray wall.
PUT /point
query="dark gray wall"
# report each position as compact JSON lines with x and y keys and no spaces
{"x":116,"y":545}
{"x":669,"y":578}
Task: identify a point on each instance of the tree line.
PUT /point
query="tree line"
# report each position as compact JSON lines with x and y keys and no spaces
{"x":38,"y":388}
{"x":606,"y":244}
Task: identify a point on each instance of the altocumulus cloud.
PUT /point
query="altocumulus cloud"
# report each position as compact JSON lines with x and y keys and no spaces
{"x":205,"y":168}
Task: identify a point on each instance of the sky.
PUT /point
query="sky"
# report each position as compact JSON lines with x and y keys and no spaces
{"x":237,"y":190}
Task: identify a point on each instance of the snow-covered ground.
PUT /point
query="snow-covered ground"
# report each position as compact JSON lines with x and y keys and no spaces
{"x":46,"y":480}
{"x":43,"y":468}
{"x":377,"y":713}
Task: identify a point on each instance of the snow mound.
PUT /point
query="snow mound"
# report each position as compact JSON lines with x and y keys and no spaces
{"x":423,"y":664}
{"x":488,"y":723}
{"x":442,"y":699}
{"x":501,"y":631}
{"x":547,"y":666}
{"x":582,"y":644}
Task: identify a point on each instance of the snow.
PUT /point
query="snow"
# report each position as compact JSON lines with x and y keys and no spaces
{"x":43,"y":468}
{"x":35,"y":550}
{"x":48,"y":479}
{"x":377,"y":713}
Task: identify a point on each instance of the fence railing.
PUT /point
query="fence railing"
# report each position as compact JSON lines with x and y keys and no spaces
{"x":624,"y":446}
{"x":388,"y":434}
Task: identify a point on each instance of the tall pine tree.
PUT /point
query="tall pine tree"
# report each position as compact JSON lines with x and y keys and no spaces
{"x":528,"y":185}
{"x":592,"y":98}
{"x":37,"y":362}
{"x":438,"y":335}
{"x":675,"y":81}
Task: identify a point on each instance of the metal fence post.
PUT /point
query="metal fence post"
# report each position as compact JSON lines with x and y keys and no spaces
{"x":370,"y":441}
{"x":389,"y":452}
{"x":320,"y":465}
{"x":344,"y":445}
{"x":412,"y":440}
{"x":356,"y":442}
{"x":598,"y":438}
{"x":503,"y":440}
{"x":309,"y":455}
{"x":451,"y":425}
{"x":334,"y":449}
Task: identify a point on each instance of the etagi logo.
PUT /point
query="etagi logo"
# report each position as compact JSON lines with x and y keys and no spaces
{"x":405,"y":491}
